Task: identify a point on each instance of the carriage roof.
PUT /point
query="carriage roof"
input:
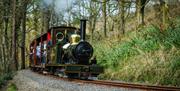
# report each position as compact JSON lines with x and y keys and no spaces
{"x":52,"y":29}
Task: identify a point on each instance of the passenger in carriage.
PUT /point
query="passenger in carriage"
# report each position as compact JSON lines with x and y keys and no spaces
{"x":49,"y":43}
{"x":44,"y":54}
{"x":48,"y":50}
{"x":38,"y":52}
{"x":31,"y":55}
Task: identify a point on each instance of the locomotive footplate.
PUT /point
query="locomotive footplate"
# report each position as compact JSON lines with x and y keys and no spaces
{"x":84,"y":70}
{"x":76,"y":68}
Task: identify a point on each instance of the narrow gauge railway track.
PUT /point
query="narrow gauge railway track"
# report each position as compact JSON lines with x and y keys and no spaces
{"x":118,"y":84}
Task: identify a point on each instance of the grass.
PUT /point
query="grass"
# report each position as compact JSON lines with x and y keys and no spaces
{"x":148,"y":55}
{"x":12,"y":87}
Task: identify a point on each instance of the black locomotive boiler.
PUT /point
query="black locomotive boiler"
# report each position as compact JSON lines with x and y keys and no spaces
{"x":64,"y":51}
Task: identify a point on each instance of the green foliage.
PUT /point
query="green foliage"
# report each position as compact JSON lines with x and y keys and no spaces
{"x":5,"y":77}
{"x":172,"y":38}
{"x":12,"y":87}
{"x":2,"y":81}
{"x":148,"y":55}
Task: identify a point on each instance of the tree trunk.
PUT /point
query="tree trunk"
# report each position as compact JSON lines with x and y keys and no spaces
{"x":92,"y":18}
{"x":45,"y":20}
{"x":5,"y":42}
{"x":91,"y":23}
{"x":92,"y":31}
{"x":138,"y":15}
{"x":42,"y":21}
{"x":104,"y":16}
{"x":23,"y":35}
{"x":143,"y":2}
{"x":140,"y":6}
{"x":3,"y":56}
{"x":164,"y":10}
{"x":92,"y":26}
{"x":1,"y":59}
{"x":35,"y":18}
{"x":15,"y":62}
{"x":122,"y":19}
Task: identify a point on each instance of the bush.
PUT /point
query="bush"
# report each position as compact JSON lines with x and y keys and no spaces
{"x":5,"y":77}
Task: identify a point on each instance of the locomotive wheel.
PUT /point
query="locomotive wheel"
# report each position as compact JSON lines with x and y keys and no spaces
{"x":72,"y":75}
{"x":84,"y":76}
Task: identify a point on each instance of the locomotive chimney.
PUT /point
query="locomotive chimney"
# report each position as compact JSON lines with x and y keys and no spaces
{"x":83,"y":29}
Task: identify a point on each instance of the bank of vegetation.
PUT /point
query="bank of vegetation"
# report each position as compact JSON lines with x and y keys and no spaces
{"x":147,"y":55}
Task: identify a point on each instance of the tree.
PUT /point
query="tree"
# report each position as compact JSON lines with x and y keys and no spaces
{"x":15,"y":27}
{"x":104,"y":16}
{"x":36,"y":16}
{"x":14,"y":59}
{"x":123,"y":8}
{"x":24,"y":10}
{"x":45,"y":20}
{"x":94,"y":11}
{"x":122,"y":15}
{"x":140,"y":6}
{"x":5,"y":43}
{"x":164,"y":11}
{"x":45,"y":16}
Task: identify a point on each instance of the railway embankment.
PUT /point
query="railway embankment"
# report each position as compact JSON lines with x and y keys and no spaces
{"x":149,"y":55}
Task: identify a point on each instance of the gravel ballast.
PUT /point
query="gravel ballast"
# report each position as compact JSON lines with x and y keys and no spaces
{"x":26,"y":80}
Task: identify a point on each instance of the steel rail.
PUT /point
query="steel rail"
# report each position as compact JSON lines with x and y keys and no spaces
{"x":138,"y":86}
{"x":118,"y":84}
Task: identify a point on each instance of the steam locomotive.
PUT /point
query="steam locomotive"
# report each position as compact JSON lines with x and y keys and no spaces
{"x":64,"y":51}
